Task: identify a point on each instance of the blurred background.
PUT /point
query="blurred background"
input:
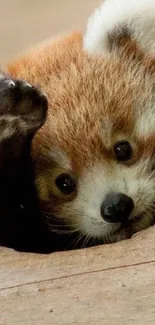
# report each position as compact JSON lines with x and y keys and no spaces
{"x":26,"y":22}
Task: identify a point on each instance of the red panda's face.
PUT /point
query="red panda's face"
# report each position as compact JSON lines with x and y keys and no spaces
{"x":94,"y":158}
{"x":95,"y":155}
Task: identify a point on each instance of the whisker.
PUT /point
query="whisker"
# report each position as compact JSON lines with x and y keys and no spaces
{"x":76,"y":241}
{"x":54,"y":216}
{"x":53,"y":228}
{"x":86,"y":241}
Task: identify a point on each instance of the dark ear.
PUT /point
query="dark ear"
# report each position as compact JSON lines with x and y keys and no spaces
{"x":122,"y":24}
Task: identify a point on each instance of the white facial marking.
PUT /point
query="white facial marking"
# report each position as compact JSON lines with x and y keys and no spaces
{"x":145,"y":123}
{"x":60,"y":158}
{"x":98,"y":182}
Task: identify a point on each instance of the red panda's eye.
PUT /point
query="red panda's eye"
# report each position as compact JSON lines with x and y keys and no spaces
{"x":65,"y":183}
{"x":123,"y":150}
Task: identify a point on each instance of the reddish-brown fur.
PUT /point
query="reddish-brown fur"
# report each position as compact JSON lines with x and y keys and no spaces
{"x":65,"y":73}
{"x":93,"y":101}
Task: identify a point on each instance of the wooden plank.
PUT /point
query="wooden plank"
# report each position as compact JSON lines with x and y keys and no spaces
{"x":21,"y":268}
{"x":110,"y":297}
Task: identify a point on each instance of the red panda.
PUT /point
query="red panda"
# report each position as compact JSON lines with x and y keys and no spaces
{"x":94,"y":159}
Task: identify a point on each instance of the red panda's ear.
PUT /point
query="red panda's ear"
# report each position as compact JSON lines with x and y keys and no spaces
{"x":120,"y":24}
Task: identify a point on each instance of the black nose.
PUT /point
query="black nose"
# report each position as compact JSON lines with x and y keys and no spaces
{"x":117,"y":207}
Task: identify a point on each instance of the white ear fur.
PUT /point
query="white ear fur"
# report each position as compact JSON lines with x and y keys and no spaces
{"x":136,"y":16}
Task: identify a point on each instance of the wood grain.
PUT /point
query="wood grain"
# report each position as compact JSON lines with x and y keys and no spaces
{"x":20,"y":268}
{"x":122,"y":296}
{"x":107,"y":285}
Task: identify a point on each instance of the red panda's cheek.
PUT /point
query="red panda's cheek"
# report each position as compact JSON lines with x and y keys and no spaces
{"x":42,"y":188}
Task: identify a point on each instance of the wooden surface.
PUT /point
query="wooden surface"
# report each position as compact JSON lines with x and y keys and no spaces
{"x":107,"y":285}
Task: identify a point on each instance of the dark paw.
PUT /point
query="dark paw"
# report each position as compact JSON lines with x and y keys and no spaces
{"x":22,"y":106}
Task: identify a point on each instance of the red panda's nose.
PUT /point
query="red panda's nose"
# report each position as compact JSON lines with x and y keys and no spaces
{"x":117,"y":207}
